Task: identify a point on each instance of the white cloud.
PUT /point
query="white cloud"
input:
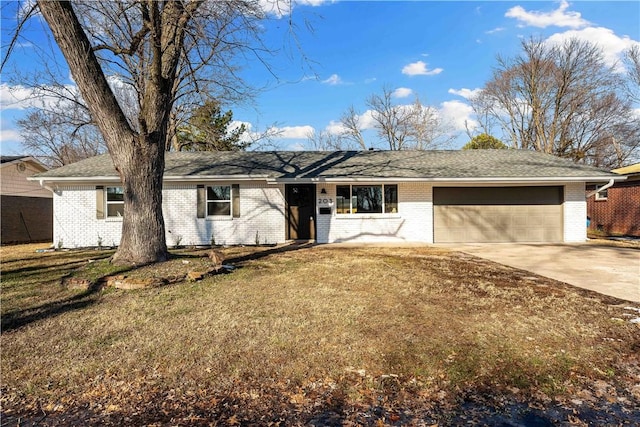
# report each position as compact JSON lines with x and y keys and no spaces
{"x":612,"y":45}
{"x":333,"y":80}
{"x":495,"y":30}
{"x":281,"y":8}
{"x":370,"y":80}
{"x":248,"y":135}
{"x":21,"y":97}
{"x":9,"y":136}
{"x":465,"y":93}
{"x":292,"y":132}
{"x":313,"y":3}
{"x":402,"y":92}
{"x":235,"y":124}
{"x":13,"y":97}
{"x":366,"y":120}
{"x":334,"y":128}
{"x":419,"y":68}
{"x":559,"y":17}
{"x":26,"y":7}
{"x":458,"y":114}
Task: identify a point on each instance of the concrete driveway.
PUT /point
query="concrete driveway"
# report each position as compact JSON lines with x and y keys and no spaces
{"x":609,"y":270}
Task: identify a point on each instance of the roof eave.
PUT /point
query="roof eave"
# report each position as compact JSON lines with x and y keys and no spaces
{"x":166,"y":178}
{"x":197,"y":178}
{"x":469,"y":180}
{"x":205,"y":178}
{"x":27,"y":159}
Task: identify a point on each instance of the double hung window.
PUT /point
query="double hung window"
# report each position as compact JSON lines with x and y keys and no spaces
{"x":219,"y":200}
{"x":115,"y":202}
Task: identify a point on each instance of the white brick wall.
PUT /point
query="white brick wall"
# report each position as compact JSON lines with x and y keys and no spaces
{"x":412,"y":223}
{"x":575,"y":213}
{"x":74,"y":219}
{"x":262,"y":211}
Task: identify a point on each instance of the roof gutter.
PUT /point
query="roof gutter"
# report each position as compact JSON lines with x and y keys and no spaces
{"x":45,"y":186}
{"x":335,"y":180}
{"x":168,"y":178}
{"x":458,"y":181}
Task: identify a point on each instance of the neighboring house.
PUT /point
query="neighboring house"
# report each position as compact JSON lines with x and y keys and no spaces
{"x":616,"y":210}
{"x":367,"y":196}
{"x":26,"y":209}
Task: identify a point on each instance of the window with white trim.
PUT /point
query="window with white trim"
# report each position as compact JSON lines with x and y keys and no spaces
{"x":219,"y":200}
{"x":115,"y":202}
{"x":366,"y":199}
{"x":601,"y":195}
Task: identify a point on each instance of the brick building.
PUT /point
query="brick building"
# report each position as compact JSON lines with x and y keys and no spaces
{"x":26,"y":209}
{"x":616,"y":210}
{"x":345,"y":196}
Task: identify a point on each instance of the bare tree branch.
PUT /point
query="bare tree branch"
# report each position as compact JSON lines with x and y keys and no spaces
{"x":14,"y":39}
{"x":562,"y":100}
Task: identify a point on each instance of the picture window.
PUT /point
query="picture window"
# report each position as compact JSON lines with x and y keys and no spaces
{"x":366,"y":199}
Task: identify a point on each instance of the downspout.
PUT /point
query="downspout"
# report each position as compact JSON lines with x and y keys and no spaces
{"x":53,"y":191}
{"x":604,"y":187}
{"x":47,"y":187}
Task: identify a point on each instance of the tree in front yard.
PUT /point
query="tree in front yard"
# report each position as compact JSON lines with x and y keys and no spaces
{"x":164,"y":54}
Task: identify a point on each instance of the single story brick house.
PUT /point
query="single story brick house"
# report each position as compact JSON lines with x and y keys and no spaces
{"x":26,"y":209}
{"x":616,"y":209}
{"x":344,"y":196}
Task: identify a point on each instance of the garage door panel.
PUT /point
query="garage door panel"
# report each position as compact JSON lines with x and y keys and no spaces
{"x":516,"y":214}
{"x":519,"y":221}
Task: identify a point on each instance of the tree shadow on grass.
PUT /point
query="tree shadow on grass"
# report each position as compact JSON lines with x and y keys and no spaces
{"x":294,"y":246}
{"x":57,"y":260}
{"x":19,"y":318}
{"x":22,"y":317}
{"x":257,"y":254}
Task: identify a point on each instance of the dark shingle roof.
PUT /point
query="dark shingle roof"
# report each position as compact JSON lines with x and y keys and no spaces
{"x":6,"y":159}
{"x":467,"y":164}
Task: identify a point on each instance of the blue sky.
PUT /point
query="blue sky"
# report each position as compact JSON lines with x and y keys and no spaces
{"x":437,"y":51}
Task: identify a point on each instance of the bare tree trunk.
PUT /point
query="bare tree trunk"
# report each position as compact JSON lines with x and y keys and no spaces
{"x":139,"y":159}
{"x":143,"y":222}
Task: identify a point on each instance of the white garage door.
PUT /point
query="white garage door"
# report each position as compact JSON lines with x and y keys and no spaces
{"x":497,"y":214}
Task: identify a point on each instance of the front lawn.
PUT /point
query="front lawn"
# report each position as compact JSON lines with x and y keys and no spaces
{"x":311,"y":335}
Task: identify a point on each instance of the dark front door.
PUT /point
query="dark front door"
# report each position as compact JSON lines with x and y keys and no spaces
{"x":301,"y":211}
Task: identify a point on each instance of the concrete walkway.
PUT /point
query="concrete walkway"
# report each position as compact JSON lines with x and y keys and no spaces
{"x":609,"y":270}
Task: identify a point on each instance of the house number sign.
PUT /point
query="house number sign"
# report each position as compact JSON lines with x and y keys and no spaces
{"x":325,"y":201}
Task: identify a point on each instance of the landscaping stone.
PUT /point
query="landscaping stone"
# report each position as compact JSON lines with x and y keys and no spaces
{"x":133,"y":283}
{"x":194,"y":276}
{"x":77,"y":283}
{"x":128,"y":283}
{"x":113,"y":281}
{"x":216,"y":257}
